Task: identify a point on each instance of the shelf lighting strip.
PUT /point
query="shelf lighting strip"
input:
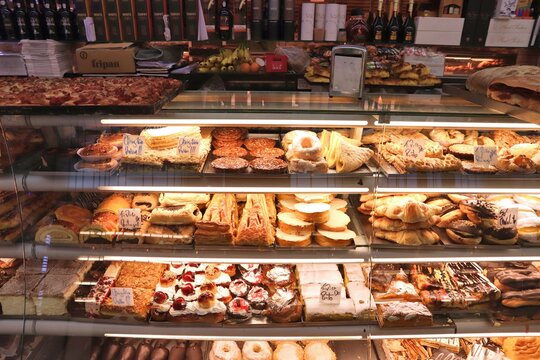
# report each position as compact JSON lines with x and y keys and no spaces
{"x":234,"y":338}
{"x":236,"y":189}
{"x":460,"y":125}
{"x":409,"y":259}
{"x":455,"y":335}
{"x":212,"y":260}
{"x":457,"y":190}
{"x":237,"y":122}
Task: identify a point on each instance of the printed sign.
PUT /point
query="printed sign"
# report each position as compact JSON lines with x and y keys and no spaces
{"x":485,"y":155}
{"x":122,"y":296}
{"x":330,"y":293}
{"x":133,"y":145}
{"x":508,"y":217}
{"x":414,"y":148}
{"x":130,"y":219}
{"x":188,"y":146}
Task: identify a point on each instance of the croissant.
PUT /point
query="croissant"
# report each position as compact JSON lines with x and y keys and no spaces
{"x":350,"y":157}
{"x":409,"y":211}
{"x":409,"y":237}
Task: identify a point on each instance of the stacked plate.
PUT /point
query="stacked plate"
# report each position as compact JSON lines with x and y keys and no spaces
{"x":47,"y":58}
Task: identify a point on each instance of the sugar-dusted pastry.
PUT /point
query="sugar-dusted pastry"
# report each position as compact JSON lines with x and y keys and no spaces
{"x":350,"y":157}
{"x":220,"y":221}
{"x":146,"y":201}
{"x":225,"y":350}
{"x":288,"y":351}
{"x":177,"y":199}
{"x":314,"y":310}
{"x":284,"y":306}
{"x":403,"y":314}
{"x":167,"y":137}
{"x":447,"y":137}
{"x":363,"y":301}
{"x":256,"y":350}
{"x":320,"y":277}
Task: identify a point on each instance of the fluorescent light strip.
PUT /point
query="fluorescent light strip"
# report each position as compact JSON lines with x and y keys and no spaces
{"x":237,"y":122}
{"x":453,"y":335}
{"x":236,"y":189}
{"x":237,"y":338}
{"x":211,"y":260}
{"x":460,"y":125}
{"x":413,"y":259}
{"x":457,"y":190}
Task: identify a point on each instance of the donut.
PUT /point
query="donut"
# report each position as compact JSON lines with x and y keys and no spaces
{"x":288,"y":351}
{"x":307,"y":147}
{"x":257,"y":350}
{"x":225,"y":350}
{"x":318,"y":351}
{"x":447,"y":137}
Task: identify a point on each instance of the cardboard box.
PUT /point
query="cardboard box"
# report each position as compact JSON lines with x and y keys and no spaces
{"x":509,"y":32}
{"x":438,"y":30}
{"x":106,"y":58}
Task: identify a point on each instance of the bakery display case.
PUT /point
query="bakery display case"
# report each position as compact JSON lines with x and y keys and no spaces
{"x":378,"y":225}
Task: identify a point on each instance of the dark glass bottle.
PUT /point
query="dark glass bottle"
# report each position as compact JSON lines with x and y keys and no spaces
{"x":409,"y":29}
{"x":21,"y":21}
{"x":37,"y":26}
{"x":66,"y":22}
{"x":357,"y":28}
{"x":393,"y":29}
{"x":7,"y":28}
{"x":224,"y":21}
{"x":378,"y":26}
{"x":51,"y":20}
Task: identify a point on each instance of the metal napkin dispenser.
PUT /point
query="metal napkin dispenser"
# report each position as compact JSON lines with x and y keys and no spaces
{"x":347,"y":76}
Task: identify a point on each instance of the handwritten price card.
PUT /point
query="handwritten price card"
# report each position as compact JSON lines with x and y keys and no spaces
{"x":414,"y":148}
{"x":330,"y":293}
{"x":133,"y":145}
{"x":130,"y":219}
{"x":508,"y":217}
{"x":485,"y":155}
{"x":122,"y":296}
{"x":188,"y":146}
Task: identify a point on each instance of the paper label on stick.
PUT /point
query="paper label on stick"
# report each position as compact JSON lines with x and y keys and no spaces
{"x":130,"y":219}
{"x":330,"y":293}
{"x":508,"y":217}
{"x":132,"y":145}
{"x":414,"y":148}
{"x":122,"y":296}
{"x":485,"y":156}
{"x":188,"y":146}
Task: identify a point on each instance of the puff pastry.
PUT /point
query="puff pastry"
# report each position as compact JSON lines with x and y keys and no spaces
{"x":220,"y":221}
{"x":176,"y":215}
{"x":146,"y":202}
{"x":386,"y":224}
{"x":177,"y":199}
{"x":350,"y":157}
{"x":408,"y":211}
{"x":255,"y":227}
{"x":409,"y":237}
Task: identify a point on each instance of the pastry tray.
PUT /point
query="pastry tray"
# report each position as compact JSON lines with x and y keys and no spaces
{"x":143,"y":109}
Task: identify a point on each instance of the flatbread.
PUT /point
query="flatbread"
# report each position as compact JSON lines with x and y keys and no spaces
{"x":479,"y":81}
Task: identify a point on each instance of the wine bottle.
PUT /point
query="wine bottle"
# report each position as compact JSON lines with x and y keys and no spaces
{"x":393,"y":29}
{"x":66,"y":22}
{"x":51,"y":20}
{"x":7,"y":28}
{"x":21,"y":21}
{"x":36,"y":21}
{"x":377,"y":28}
{"x":224,"y":21}
{"x":409,"y":29}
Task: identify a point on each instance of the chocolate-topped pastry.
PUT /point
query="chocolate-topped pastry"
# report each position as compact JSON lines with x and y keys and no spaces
{"x":239,"y":288}
{"x":519,"y":279}
{"x":479,"y":211}
{"x":239,"y":309}
{"x":500,"y":236}
{"x":515,"y":299}
{"x":178,"y":352}
{"x":258,"y":298}
{"x":464,"y":232}
{"x":194,"y":351}
{"x":143,"y":351}
{"x":160,"y":353}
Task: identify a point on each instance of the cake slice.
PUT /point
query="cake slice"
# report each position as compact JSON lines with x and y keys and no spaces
{"x":293,"y":240}
{"x":364,"y":303}
{"x":51,"y":295}
{"x":313,"y":291}
{"x":13,"y":295}
{"x":314,"y":310}
{"x":67,"y":267}
{"x":354,"y":273}
{"x":316,"y":267}
{"x":320,"y":277}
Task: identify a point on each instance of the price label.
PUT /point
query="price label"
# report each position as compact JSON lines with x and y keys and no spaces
{"x":132,"y":145}
{"x":485,"y":155}
{"x":130,"y":219}
{"x":414,"y":148}
{"x":122,"y":296}
{"x":330,"y":293}
{"x":508,"y":217}
{"x":188,"y":146}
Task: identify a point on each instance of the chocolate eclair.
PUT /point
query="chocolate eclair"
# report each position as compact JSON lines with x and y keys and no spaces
{"x":519,"y":279}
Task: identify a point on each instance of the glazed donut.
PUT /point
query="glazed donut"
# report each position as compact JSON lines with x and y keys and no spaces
{"x":307,"y":147}
{"x":447,"y":137}
{"x":256,"y":350}
{"x":225,"y":350}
